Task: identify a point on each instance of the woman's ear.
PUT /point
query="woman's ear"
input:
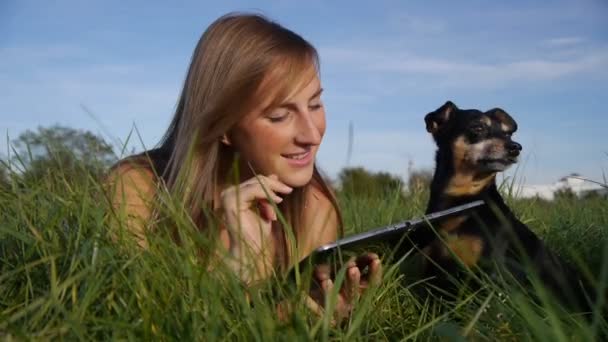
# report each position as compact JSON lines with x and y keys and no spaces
{"x":224,"y":139}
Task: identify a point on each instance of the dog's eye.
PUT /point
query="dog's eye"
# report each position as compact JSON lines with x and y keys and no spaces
{"x":477,"y":129}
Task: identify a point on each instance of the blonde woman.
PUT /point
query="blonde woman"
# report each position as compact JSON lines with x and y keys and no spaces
{"x":252,"y":95}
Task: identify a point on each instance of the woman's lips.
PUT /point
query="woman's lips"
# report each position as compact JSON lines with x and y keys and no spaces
{"x":298,"y":159}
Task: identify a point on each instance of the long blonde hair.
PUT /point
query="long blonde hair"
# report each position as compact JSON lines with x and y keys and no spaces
{"x":240,"y":60}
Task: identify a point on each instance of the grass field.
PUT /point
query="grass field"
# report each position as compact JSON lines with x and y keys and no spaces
{"x":63,"y":277}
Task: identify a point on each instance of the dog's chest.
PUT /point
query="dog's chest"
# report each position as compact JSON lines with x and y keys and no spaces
{"x":470,"y":238}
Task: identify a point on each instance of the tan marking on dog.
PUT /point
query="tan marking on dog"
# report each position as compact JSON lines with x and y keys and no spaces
{"x":506,"y":122}
{"x":465,"y":181}
{"x":466,"y":185}
{"x":468,"y":248}
{"x":432,"y":127}
{"x":436,"y":250}
{"x":501,"y":116}
{"x":466,"y":155}
{"x":459,"y":150}
{"x":452,"y":223}
{"x":492,"y":148}
{"x":486,"y":120}
{"x":427,"y":249}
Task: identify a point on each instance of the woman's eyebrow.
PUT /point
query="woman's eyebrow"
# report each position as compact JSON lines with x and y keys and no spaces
{"x":316,"y":94}
{"x":291,"y":105}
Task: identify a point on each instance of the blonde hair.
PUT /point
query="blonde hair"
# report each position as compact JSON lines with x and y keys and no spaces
{"x":240,"y":61}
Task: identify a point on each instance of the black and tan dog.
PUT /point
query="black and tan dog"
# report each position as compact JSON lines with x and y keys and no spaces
{"x":473,"y":146}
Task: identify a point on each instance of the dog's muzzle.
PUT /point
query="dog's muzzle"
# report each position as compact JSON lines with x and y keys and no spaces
{"x":513,"y":149}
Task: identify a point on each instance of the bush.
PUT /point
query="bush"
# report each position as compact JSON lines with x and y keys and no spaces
{"x":360,"y":182}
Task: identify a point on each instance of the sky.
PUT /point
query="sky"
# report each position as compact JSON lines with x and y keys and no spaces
{"x":112,"y":66}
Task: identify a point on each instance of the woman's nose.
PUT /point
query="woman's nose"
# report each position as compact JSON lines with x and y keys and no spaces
{"x":308,"y":130}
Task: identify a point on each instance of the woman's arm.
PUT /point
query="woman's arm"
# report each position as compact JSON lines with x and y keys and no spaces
{"x":132,"y":190}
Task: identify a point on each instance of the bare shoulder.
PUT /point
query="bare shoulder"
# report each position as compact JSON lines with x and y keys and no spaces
{"x":320,"y":222}
{"x":130,"y":183}
{"x":131,"y":189}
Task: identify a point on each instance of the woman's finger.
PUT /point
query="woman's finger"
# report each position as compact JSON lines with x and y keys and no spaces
{"x":242,"y":197}
{"x":246,"y":197}
{"x":352,"y":282}
{"x":373,"y":274}
{"x":270,"y":183}
{"x":322,"y":272}
{"x":327,"y":286}
{"x":321,"y":275}
{"x":313,"y":305}
{"x":267,"y":210}
{"x":249,"y":195}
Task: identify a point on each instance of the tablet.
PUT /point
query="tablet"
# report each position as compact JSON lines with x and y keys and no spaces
{"x":396,"y":239}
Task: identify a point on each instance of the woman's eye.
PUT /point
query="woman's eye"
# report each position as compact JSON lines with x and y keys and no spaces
{"x":315,"y":106}
{"x":278,"y":117}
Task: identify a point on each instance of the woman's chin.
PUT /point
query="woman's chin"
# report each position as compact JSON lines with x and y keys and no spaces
{"x":297,"y":178}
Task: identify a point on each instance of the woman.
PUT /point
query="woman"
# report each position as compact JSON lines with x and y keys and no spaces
{"x":250,"y":106}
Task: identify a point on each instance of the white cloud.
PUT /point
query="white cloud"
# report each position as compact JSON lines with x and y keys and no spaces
{"x":563,"y":41}
{"x":460,"y":73}
{"x":410,"y":24}
{"x":26,"y":53}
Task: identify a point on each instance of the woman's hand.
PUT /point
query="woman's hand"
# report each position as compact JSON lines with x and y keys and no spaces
{"x":248,"y":216}
{"x":354,"y":285}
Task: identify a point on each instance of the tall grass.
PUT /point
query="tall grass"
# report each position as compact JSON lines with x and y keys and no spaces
{"x":65,"y":276}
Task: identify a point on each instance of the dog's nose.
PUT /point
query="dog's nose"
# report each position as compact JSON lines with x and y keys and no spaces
{"x":514,"y":148}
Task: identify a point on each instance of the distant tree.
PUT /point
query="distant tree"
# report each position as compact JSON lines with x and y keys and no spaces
{"x":595,"y":194}
{"x":359,"y":181}
{"x":75,"y":153}
{"x":565,"y":193}
{"x":419,"y":180}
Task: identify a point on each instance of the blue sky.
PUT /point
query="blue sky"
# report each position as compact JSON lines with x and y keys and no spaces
{"x":109,"y":65}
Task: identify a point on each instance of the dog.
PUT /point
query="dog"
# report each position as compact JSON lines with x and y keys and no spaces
{"x":472,"y":147}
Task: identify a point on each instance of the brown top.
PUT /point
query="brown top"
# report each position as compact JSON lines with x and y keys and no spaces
{"x":133,"y":189}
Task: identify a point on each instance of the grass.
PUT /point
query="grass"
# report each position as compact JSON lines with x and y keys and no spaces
{"x":63,"y":276}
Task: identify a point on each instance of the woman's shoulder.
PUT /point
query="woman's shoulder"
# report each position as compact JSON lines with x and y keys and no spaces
{"x":131,"y":186}
{"x":130,"y":175}
{"x":138,"y":172}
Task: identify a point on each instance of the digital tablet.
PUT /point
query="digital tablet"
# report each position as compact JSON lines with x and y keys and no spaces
{"x":396,"y":239}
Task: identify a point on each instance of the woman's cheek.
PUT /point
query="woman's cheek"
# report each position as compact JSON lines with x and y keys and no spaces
{"x":322,"y":124}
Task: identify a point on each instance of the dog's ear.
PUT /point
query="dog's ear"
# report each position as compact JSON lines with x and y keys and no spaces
{"x":435,"y":120}
{"x":505,"y":119}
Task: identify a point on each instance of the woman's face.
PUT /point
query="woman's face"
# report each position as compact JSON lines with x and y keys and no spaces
{"x":284,"y":140}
